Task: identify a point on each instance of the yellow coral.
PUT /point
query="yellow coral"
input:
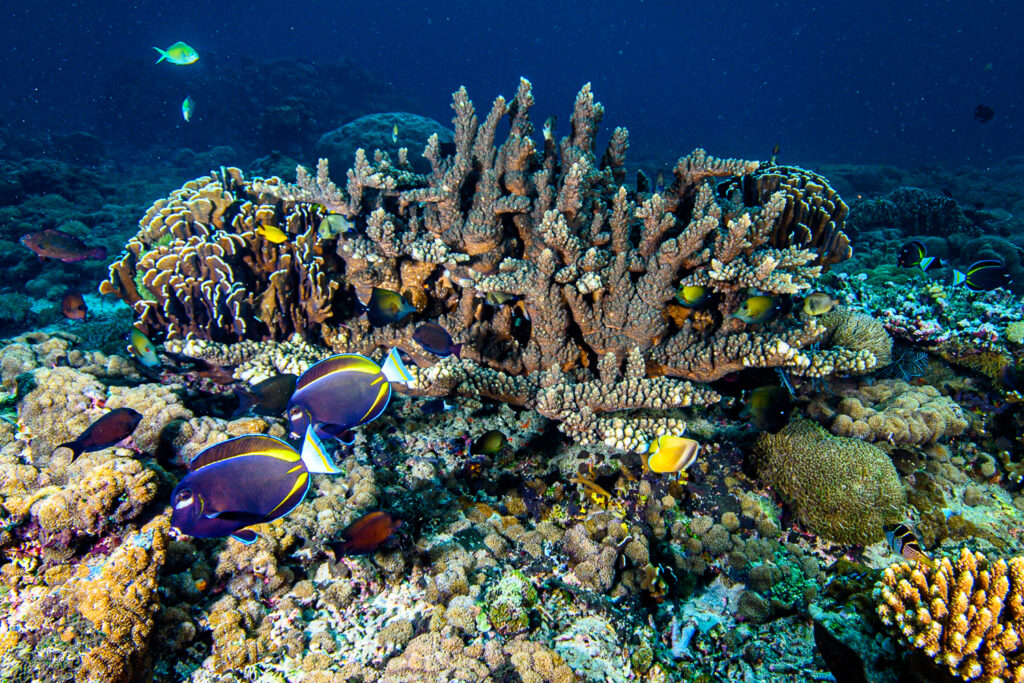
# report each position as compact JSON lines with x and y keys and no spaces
{"x":966,"y":615}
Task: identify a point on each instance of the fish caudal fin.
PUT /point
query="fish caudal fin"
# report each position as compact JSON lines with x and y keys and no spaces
{"x":314,"y":455}
{"x":74,"y":447}
{"x":246,"y":536}
{"x":958,"y":278}
{"x":163,"y":55}
{"x":394,"y":369}
{"x":457,"y":350}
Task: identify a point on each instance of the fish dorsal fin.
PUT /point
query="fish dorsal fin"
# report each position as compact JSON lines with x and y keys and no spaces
{"x":344,"y":362}
{"x":249,"y":444}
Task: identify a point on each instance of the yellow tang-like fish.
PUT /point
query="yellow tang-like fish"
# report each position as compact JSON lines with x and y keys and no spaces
{"x":670,"y":454}
{"x":272,"y":233}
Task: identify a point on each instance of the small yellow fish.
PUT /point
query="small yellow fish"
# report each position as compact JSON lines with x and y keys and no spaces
{"x":272,"y":233}
{"x":671,"y":454}
{"x":394,"y":134}
{"x":692,"y":296}
{"x":187,"y":107}
{"x":760,"y":309}
{"x":180,"y":54}
{"x":819,"y":303}
{"x":142,"y":349}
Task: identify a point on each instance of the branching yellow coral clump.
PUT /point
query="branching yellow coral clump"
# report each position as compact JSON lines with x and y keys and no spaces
{"x":967,"y":615}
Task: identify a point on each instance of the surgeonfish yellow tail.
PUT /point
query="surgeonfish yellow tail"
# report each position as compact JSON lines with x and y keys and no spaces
{"x":394,"y":369}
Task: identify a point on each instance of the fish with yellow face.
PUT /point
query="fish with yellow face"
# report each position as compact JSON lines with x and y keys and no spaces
{"x":692,"y":296}
{"x":670,"y":454}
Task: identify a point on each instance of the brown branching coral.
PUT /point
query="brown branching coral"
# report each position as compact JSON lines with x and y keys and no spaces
{"x":585,"y":266}
{"x":967,"y":614}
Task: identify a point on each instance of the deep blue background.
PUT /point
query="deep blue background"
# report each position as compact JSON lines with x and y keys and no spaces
{"x":831,"y":81}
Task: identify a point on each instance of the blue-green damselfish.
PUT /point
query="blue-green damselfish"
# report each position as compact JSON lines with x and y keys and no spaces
{"x":343,"y":392}
{"x":244,"y":481}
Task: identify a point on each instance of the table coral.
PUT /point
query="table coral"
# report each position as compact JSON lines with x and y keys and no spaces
{"x":842,"y":489}
{"x":889,"y":410}
{"x":966,"y":614}
{"x":586,"y":266}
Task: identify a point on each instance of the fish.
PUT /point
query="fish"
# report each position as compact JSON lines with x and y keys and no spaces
{"x":768,"y":408}
{"x":240,"y":482}
{"x":915,"y":254}
{"x":272,"y":233}
{"x":112,"y":428}
{"x":496,"y":298}
{"x":434,"y":406}
{"x":334,"y":224}
{"x":394,"y":134}
{"x":489,"y":443}
{"x":142,"y":349}
{"x":692,"y":296}
{"x":72,"y":305}
{"x":54,"y":244}
{"x":775,"y":154}
{"x":187,"y":107}
{"x":436,"y":340}
{"x":659,"y":183}
{"x":903,"y":541}
{"x":819,"y":303}
{"x":984,"y":113}
{"x":365,"y":535}
{"x":269,"y":397}
{"x":178,"y":54}
{"x":762,"y":308}
{"x":549,"y":129}
{"x":670,"y":454}
{"x":387,"y":307}
{"x":343,"y":392}
{"x":983,"y":275}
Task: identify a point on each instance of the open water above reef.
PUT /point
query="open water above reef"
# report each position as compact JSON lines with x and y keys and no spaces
{"x":735,"y":421}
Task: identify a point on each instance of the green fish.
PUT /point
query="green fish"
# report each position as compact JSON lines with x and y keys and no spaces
{"x":187,"y":108}
{"x":387,"y":307}
{"x":140,"y":347}
{"x":334,"y":224}
{"x":768,"y":408}
{"x":180,"y":54}
{"x":489,"y":443}
{"x":692,"y":296}
{"x":761,"y":309}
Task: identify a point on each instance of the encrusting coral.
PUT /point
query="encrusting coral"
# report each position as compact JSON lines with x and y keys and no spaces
{"x":966,"y":614}
{"x":842,"y":489}
{"x":584,"y":267}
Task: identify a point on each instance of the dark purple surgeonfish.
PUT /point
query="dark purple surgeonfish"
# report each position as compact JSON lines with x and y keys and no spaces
{"x":52,"y":243}
{"x":243,"y":481}
{"x":343,"y":392}
{"x":105,"y":432}
{"x":436,"y":340}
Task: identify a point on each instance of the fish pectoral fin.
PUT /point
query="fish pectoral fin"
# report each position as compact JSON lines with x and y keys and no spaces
{"x":246,"y":536}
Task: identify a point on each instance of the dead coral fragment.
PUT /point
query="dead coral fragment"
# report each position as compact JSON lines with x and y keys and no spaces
{"x":842,"y":489}
{"x":967,"y":615}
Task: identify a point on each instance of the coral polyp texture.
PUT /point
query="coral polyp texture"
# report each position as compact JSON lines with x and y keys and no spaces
{"x":557,"y":277}
{"x":966,"y":614}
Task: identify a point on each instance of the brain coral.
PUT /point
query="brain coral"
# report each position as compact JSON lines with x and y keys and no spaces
{"x":890,"y":410}
{"x":842,"y":489}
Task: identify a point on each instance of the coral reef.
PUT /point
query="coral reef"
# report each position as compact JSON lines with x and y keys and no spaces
{"x":966,"y":614}
{"x":842,"y":489}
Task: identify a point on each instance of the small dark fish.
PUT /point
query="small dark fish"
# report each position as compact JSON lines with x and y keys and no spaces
{"x":365,"y":535}
{"x":435,"y":405}
{"x":775,"y":153}
{"x":243,"y":481}
{"x":983,"y":276}
{"x":142,"y":349}
{"x":983,"y":113}
{"x":842,"y":660}
{"x":914,"y":254}
{"x":269,"y":397}
{"x":344,"y":391}
{"x":52,"y":243}
{"x":436,"y":340}
{"x":72,"y":305}
{"x":659,"y":183}
{"x":904,"y":542}
{"x":761,"y":308}
{"x":769,"y":407}
{"x":112,"y":428}
{"x":489,"y":443}
{"x":387,"y":307}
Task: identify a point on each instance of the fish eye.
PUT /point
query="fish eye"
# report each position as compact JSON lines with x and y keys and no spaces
{"x":183,"y":499}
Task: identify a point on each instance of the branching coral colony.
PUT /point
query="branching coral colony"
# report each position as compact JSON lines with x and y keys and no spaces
{"x":558,"y":277}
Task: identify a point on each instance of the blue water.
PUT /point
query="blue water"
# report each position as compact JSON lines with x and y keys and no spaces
{"x":831,"y":82}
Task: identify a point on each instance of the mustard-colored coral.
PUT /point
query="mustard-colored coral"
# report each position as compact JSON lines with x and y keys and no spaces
{"x":967,"y":614}
{"x":842,"y":489}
